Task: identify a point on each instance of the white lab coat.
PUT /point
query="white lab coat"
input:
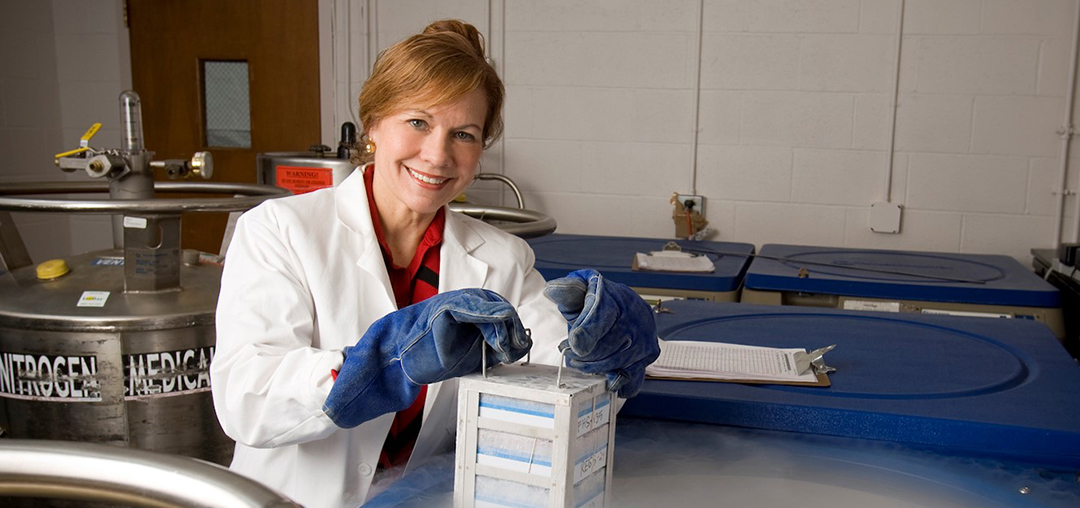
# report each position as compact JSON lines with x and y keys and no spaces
{"x":304,"y":278}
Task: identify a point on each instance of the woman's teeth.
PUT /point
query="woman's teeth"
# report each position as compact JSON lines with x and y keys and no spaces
{"x":426,"y":179}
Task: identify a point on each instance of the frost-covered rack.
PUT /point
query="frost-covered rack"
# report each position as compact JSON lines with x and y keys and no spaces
{"x":529,"y":436}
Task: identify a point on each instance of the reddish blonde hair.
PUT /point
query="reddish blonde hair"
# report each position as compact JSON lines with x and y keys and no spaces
{"x":437,"y":66}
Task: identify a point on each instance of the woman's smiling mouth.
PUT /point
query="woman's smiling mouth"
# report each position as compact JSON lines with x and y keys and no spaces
{"x":426,"y":179}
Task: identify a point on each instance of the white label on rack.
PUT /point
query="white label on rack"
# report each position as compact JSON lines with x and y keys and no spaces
{"x":868,"y":305}
{"x":135,"y":222}
{"x":93,"y":299}
{"x":589,"y":465}
{"x":593,"y":413}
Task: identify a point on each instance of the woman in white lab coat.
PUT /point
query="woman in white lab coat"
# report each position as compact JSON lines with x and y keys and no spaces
{"x":306,"y":287}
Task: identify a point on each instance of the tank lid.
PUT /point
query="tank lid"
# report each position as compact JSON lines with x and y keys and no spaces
{"x":52,"y":269}
{"x":92,"y":297}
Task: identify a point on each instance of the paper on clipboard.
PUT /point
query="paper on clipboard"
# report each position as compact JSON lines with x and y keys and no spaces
{"x":714,"y":361}
{"x":672,"y":261}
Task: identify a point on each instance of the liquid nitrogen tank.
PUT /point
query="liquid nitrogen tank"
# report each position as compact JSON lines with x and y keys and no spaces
{"x":115,"y":346}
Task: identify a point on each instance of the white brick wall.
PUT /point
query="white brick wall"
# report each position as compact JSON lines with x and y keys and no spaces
{"x":30,"y":127}
{"x":65,"y":63}
{"x":793,"y":111}
{"x":745,"y":173}
{"x":794,"y":115}
{"x":967,"y":183}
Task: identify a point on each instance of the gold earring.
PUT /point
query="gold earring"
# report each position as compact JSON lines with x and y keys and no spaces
{"x":369,"y":147}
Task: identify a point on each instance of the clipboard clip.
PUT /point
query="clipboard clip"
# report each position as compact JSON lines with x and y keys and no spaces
{"x":814,"y":359}
{"x":672,"y":246}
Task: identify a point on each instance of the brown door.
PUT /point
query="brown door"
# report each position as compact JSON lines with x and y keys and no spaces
{"x":190,"y":60}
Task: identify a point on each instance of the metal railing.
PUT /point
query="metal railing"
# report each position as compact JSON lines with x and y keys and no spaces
{"x":516,"y":221}
{"x":128,"y":476}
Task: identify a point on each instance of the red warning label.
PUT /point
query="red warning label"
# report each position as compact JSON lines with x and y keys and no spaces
{"x":301,"y":180}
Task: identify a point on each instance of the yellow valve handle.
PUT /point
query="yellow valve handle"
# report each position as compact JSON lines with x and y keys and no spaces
{"x":72,"y":152}
{"x":84,"y":141}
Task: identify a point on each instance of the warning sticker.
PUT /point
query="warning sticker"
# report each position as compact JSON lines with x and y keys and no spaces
{"x":302,"y":180}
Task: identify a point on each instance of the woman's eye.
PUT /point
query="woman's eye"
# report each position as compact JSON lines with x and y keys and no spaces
{"x":417,"y":123}
{"x":465,"y":136}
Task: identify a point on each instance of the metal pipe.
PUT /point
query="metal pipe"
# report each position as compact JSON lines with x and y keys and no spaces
{"x":695,"y":132}
{"x":99,"y":472}
{"x":530,"y":224}
{"x":252,"y":195}
{"x":1066,"y":133}
{"x":890,"y":152}
{"x":507,"y":181}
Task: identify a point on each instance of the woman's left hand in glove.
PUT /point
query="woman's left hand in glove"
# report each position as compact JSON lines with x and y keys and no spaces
{"x":611,"y":329}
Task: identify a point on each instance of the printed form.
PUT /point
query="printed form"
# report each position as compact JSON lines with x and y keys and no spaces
{"x":727,"y":362}
{"x":670,"y":261}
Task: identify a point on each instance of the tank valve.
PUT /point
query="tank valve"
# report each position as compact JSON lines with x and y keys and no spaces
{"x":201,"y":164}
{"x":106,"y":165}
{"x":76,"y":159}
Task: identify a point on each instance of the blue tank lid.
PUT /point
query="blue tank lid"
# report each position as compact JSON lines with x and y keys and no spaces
{"x":1003,"y":387}
{"x":904,"y":275}
{"x":557,"y":255}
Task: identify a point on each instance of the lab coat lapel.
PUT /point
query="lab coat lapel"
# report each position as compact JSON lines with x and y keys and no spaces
{"x":460,"y":269}
{"x":352,"y":209}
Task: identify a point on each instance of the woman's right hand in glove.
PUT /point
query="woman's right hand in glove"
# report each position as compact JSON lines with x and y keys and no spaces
{"x":430,"y":341}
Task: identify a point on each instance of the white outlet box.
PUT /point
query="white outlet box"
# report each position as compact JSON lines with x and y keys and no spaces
{"x":698,"y":202}
{"x":885,"y":218}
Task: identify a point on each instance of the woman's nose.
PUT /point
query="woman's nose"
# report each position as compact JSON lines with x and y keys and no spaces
{"x":436,"y":151}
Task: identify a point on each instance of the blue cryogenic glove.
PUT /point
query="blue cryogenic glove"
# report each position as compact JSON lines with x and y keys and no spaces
{"x":430,"y":341}
{"x":611,"y":329}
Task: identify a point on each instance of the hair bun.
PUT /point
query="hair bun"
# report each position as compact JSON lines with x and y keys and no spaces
{"x":456,"y":26}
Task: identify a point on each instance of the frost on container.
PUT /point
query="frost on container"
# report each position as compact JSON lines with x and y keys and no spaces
{"x":525,"y":441}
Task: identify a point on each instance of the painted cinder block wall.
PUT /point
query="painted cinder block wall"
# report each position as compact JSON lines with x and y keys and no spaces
{"x":789,"y":101}
{"x":793,"y":116}
{"x":63,"y":64}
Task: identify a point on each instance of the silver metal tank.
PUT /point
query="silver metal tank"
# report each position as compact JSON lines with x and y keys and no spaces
{"x":83,"y":360}
{"x":115,"y":346}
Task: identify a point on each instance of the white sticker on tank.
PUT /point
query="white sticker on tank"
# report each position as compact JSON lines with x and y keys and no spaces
{"x":966,"y":313}
{"x":135,"y":222}
{"x":60,"y":378}
{"x":93,"y":299}
{"x":871,"y":305}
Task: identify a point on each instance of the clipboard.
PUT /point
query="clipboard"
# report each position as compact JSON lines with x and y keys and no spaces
{"x":672,"y":262}
{"x":738,"y":363}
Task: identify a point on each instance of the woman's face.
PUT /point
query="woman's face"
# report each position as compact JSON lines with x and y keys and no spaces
{"x":425,"y":157}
